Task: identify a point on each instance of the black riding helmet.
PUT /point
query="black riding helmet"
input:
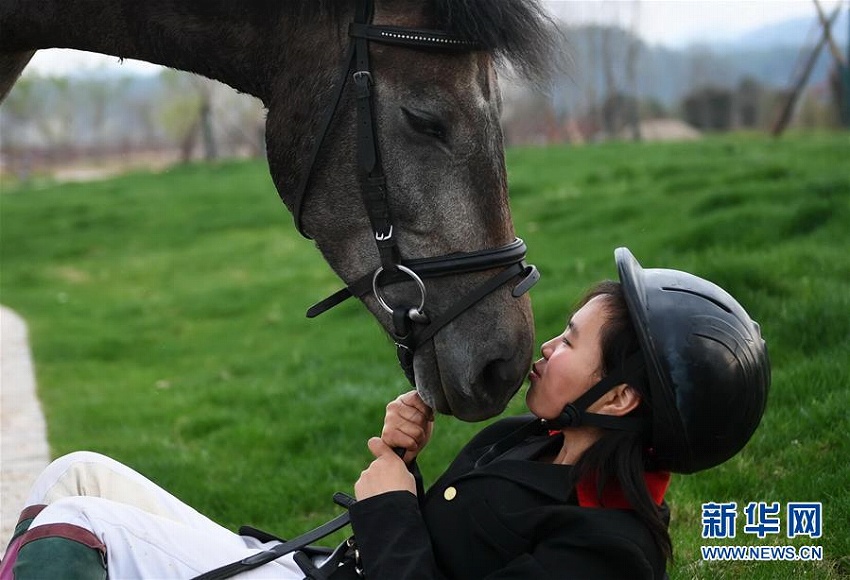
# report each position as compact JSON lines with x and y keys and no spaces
{"x":706,"y":363}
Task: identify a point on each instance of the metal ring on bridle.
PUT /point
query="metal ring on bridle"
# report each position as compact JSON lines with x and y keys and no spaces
{"x":413,"y":275}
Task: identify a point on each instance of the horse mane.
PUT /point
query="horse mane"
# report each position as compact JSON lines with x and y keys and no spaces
{"x":519,"y":32}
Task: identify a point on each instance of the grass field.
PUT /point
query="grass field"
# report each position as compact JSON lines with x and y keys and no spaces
{"x":166,"y":314}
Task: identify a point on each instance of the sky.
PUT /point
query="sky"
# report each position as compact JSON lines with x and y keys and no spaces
{"x":678,"y":23}
{"x":674,"y":23}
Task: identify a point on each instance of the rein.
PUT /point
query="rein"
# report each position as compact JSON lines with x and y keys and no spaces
{"x":412,"y":325}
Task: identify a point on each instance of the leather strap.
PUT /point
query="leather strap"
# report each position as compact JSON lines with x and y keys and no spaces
{"x":330,"y":112}
{"x":412,"y":37}
{"x":260,"y":558}
{"x":460,"y":263}
{"x":373,"y":183}
{"x":473,"y":297}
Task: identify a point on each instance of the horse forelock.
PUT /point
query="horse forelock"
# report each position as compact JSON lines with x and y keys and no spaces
{"x":518,"y":32}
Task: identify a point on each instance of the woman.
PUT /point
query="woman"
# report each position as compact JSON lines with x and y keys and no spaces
{"x":660,"y":372}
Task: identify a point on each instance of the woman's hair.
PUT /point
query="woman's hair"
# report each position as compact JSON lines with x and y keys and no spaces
{"x":621,"y":455}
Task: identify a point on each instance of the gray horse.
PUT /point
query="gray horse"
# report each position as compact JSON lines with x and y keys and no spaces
{"x":436,"y":117}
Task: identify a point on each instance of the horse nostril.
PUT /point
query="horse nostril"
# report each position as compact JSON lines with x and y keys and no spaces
{"x":492,"y":389}
{"x":499,"y":380}
{"x":496,"y":376}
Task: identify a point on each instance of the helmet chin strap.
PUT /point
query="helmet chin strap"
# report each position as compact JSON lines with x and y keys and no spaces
{"x":575,"y":414}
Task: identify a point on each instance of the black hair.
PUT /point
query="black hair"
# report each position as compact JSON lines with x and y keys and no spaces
{"x":519,"y":32}
{"x":621,"y":456}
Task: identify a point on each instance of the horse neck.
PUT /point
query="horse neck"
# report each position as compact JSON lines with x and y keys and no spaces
{"x":242,"y":44}
{"x":12,"y":64}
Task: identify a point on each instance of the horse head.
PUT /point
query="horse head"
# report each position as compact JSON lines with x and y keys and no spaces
{"x":436,"y":124}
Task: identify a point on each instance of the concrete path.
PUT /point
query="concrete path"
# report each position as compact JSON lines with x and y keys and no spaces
{"x":23,"y":434}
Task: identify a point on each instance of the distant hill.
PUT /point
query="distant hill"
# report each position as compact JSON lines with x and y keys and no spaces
{"x":768,"y":55}
{"x":792,"y":33}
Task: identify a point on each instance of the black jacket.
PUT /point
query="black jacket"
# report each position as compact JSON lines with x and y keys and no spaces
{"x":506,"y":518}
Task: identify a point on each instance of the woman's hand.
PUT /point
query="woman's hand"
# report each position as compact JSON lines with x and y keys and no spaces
{"x":386,"y":473}
{"x":408,"y":423}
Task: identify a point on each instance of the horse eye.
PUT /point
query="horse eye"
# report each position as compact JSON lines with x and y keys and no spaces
{"x":425,"y":123}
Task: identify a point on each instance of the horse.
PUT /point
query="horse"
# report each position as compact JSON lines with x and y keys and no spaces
{"x":411,"y":122}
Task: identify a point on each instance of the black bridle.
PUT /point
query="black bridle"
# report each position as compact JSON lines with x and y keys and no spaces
{"x":393,"y":268}
{"x":412,"y":326}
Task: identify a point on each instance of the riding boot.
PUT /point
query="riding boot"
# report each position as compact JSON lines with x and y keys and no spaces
{"x":24,"y":521}
{"x":54,"y":557}
{"x":53,"y":551}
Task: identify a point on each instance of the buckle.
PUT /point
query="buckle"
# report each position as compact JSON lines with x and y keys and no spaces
{"x":363,"y":79}
{"x":355,"y":551}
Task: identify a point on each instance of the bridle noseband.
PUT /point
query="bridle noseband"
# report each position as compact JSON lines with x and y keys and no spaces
{"x":412,"y":325}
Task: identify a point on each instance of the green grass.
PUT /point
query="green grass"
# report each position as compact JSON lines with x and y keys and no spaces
{"x":166,"y":316}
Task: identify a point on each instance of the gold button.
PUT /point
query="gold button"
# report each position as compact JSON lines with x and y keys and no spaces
{"x":450,"y":493}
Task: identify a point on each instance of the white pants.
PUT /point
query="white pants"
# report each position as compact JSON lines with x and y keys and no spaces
{"x":148,"y":532}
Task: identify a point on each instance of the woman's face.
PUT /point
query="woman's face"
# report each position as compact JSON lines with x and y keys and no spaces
{"x":571,"y":362}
